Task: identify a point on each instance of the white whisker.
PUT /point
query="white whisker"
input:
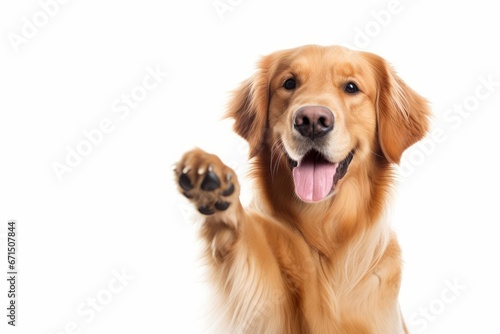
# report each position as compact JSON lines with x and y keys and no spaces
{"x":276,"y":155}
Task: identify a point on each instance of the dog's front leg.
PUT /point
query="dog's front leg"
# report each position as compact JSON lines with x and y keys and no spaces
{"x":214,"y":190}
{"x":244,"y":267}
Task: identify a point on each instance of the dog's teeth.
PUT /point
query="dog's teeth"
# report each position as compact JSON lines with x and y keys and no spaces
{"x":229,"y":176}
{"x":210,"y":168}
{"x":201,"y":171}
{"x":186,"y":169}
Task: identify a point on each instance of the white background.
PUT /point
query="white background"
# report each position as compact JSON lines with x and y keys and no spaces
{"x":118,"y":210}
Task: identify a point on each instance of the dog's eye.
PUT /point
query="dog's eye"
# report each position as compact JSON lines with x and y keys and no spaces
{"x":351,"y":88}
{"x":289,"y":84}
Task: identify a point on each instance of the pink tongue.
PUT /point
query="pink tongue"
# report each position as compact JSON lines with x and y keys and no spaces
{"x":313,"y":179}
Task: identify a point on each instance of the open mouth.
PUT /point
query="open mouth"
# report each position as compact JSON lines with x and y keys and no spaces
{"x":315,"y":177}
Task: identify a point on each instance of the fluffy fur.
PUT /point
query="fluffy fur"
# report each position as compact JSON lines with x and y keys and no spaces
{"x":288,"y":266}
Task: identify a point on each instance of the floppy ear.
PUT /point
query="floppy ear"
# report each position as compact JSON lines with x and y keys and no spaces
{"x":249,"y":106}
{"x":402,"y":114}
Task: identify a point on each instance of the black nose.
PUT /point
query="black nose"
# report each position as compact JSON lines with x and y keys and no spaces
{"x":313,"y":121}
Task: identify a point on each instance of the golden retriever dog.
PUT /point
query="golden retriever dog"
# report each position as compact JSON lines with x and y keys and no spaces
{"x":314,"y":252}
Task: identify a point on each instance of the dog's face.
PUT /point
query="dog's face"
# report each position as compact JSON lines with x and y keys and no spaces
{"x":327,"y":111}
{"x":322,"y":110}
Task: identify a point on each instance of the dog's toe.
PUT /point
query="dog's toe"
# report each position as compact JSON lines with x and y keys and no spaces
{"x":229,"y":190}
{"x":185,"y":182}
{"x":222,"y":205}
{"x":206,"y":210}
{"x":210,"y":182}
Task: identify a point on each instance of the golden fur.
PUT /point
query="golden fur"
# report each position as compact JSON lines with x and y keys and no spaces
{"x":288,"y":266}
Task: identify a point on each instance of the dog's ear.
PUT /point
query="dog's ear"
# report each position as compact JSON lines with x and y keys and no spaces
{"x":402,"y":114}
{"x":250,"y":103}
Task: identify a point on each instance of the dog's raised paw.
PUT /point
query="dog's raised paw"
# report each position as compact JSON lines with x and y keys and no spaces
{"x":206,"y":181}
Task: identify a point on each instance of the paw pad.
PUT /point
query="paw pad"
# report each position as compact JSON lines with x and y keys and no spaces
{"x":221,"y":206}
{"x":210,"y":182}
{"x":229,"y":191}
{"x":185,"y":182}
{"x":206,"y":210}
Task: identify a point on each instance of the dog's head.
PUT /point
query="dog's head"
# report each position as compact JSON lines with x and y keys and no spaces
{"x":327,"y":110}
